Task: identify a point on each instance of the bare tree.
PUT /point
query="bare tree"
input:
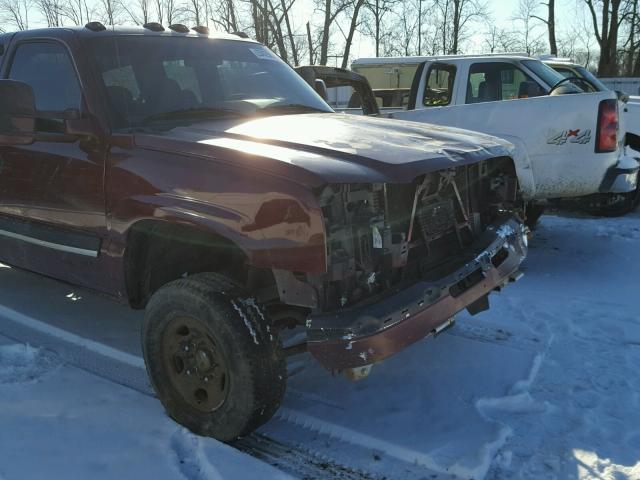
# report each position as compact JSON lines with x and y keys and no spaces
{"x":51,"y":11}
{"x":632,"y":44}
{"x":110,"y":9}
{"x":269,"y":16}
{"x":357,"y":6}
{"x":164,"y":10}
{"x":499,"y":39}
{"x":407,"y":31}
{"x":139,"y":11}
{"x":378,"y":10}
{"x":76,"y":11}
{"x":159,"y":8}
{"x":463,"y":12}
{"x":529,"y":39}
{"x":274,"y":23}
{"x":193,"y":11}
{"x":420,"y":13}
{"x":329,"y":17}
{"x":171,"y":11}
{"x":225,"y":15}
{"x":286,"y":8}
{"x":606,"y":32}
{"x":550,"y":22}
{"x":260,"y":21}
{"x":15,"y":13}
{"x":430,"y":29}
{"x":277,"y":15}
{"x":455,"y":18}
{"x":196,"y":12}
{"x":584,"y":51}
{"x":145,"y":11}
{"x":330,"y":10}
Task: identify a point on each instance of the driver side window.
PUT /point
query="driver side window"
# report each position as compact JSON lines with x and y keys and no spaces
{"x":47,"y":68}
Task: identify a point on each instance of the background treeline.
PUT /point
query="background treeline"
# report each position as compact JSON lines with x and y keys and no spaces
{"x":601,"y":34}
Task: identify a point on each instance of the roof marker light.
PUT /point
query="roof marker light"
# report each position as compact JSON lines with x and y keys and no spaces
{"x":178,"y":27}
{"x":95,"y":27}
{"x":201,"y":29}
{"x":154,"y":27}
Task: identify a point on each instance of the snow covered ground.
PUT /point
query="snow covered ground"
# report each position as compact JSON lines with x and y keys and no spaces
{"x":544,"y":385}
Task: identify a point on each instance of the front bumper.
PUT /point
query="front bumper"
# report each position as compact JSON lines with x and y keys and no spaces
{"x":368,"y":334}
{"x":623,"y":177}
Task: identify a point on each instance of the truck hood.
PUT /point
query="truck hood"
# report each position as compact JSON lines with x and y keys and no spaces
{"x":315,"y":149}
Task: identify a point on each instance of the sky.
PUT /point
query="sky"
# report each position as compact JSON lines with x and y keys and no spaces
{"x":502,"y":12}
{"x":569,"y":14}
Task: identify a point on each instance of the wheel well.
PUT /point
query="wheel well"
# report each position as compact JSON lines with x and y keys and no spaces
{"x":158,"y":252}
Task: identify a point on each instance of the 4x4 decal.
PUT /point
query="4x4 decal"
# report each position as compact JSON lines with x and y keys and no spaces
{"x":571,"y":136}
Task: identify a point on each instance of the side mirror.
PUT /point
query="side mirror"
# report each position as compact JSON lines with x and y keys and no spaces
{"x":623,"y":97}
{"x":22,"y":124}
{"x":17,"y":113}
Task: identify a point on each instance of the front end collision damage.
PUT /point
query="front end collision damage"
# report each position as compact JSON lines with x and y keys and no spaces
{"x":371,"y":333}
{"x":402,"y":260}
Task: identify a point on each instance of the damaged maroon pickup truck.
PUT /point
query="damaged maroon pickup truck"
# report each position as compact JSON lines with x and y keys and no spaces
{"x":201,"y":178}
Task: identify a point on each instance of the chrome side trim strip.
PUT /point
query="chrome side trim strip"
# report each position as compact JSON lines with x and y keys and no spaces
{"x":53,"y":246}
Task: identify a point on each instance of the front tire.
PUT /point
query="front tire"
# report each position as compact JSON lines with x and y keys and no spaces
{"x":212,"y":358}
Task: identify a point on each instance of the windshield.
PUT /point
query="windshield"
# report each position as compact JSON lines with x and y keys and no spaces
{"x":156,"y":80}
{"x":545,"y":72}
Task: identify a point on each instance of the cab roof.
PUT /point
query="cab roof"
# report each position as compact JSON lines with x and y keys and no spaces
{"x":416,"y":60}
{"x":110,"y":31}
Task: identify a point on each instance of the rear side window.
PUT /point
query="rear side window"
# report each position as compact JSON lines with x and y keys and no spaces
{"x":439,"y":87}
{"x":565,"y":72}
{"x":47,"y":68}
{"x":589,"y":86}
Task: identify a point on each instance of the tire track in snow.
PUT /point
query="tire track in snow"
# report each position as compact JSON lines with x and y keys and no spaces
{"x":128,"y":370}
{"x":191,"y":460}
{"x":298,"y":461}
{"x":494,"y":334}
{"x":99,"y":359}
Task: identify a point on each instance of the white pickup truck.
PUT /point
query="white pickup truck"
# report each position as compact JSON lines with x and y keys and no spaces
{"x":630,"y":117}
{"x":565,"y":145}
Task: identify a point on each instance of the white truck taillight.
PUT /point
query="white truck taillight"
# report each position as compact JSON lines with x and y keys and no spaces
{"x":607,"y":136}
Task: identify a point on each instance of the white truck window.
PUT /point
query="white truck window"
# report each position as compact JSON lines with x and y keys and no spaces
{"x":494,"y":81}
{"x":565,"y":72}
{"x":439,"y":85}
{"x":568,"y":72}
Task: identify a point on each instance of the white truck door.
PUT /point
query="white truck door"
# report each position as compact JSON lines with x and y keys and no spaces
{"x":554,"y":135}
